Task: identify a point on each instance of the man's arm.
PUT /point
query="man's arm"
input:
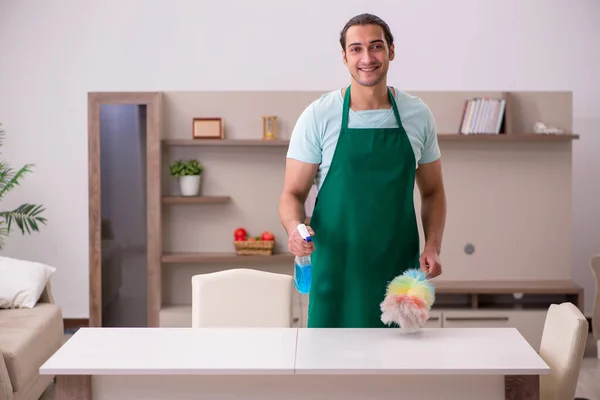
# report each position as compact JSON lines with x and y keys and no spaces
{"x":299,"y":177}
{"x":302,"y":162}
{"x":433,"y":204}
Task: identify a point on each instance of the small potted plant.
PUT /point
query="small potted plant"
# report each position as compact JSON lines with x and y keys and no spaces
{"x":188,"y":173}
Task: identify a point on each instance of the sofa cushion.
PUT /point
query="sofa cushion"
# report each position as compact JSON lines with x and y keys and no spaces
{"x":28,"y":337}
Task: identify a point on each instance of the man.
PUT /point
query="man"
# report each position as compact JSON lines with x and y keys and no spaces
{"x":365,"y":145}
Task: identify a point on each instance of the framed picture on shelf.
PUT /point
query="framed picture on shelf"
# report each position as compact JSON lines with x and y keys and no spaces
{"x":207,"y":128}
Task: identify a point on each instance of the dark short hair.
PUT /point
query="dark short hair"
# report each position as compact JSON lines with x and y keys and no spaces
{"x":366,"y":19}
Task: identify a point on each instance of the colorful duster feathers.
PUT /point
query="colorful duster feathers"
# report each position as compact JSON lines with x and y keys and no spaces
{"x":408,"y":300}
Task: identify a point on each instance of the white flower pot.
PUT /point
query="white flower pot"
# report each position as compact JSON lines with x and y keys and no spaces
{"x":189,"y":185}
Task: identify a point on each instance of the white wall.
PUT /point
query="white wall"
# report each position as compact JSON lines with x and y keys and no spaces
{"x":53,"y":52}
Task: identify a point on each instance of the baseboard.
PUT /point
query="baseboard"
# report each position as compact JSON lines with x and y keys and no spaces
{"x":72,"y":324}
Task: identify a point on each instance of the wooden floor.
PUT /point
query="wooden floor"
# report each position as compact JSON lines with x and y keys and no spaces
{"x":588,"y":386}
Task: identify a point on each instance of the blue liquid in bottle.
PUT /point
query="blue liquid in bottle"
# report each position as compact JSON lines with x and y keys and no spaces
{"x":302,"y":274}
{"x":303,"y":266}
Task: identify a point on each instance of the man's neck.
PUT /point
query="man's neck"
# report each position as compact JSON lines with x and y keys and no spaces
{"x":369,"y":97}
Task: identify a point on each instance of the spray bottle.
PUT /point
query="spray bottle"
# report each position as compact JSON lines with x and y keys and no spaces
{"x":303,"y":265}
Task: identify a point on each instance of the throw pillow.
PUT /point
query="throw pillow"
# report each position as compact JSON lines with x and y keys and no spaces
{"x":22,"y":282}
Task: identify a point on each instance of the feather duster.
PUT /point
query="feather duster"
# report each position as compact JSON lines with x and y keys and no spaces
{"x":408,"y":300}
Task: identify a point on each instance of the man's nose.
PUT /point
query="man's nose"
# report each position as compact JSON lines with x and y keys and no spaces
{"x":367,"y":57}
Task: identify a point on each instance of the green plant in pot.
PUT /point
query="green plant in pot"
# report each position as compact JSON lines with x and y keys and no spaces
{"x":188,"y":173}
{"x":27,"y":217}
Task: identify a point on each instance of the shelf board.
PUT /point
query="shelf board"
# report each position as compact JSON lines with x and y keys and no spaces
{"x":227,"y":142}
{"x":443,"y":137}
{"x":195,"y":199}
{"x":191,"y":257}
{"x":516,"y":137}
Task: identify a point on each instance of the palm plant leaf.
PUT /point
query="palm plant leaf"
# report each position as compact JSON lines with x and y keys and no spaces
{"x":9,"y":178}
{"x":26,"y":216}
{"x":3,"y":234}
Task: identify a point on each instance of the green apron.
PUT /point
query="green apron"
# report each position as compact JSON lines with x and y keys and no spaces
{"x":365,"y":225}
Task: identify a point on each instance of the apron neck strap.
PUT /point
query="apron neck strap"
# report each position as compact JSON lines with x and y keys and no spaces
{"x":346,"y":109}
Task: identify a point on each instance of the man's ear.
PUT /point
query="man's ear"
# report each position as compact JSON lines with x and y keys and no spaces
{"x":344,"y":58}
{"x":392,"y":52}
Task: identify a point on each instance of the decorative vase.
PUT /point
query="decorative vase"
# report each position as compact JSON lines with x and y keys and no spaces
{"x":189,"y":185}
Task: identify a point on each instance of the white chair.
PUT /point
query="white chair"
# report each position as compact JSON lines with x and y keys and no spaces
{"x":242,"y":298}
{"x":563,"y":344}
{"x":595,"y":265}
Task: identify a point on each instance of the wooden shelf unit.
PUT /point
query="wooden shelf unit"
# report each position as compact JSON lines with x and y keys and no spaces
{"x":243,"y":132}
{"x":518,"y":304}
{"x":491,"y":295}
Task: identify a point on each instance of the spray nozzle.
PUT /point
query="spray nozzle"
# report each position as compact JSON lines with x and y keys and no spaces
{"x":304,"y":233}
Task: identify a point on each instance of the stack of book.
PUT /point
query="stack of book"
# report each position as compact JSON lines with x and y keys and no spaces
{"x":483,"y":116}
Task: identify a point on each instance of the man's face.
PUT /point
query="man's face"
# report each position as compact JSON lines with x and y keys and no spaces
{"x":367,"y":55}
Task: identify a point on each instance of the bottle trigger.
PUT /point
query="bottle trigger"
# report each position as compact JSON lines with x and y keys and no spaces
{"x":304,"y":233}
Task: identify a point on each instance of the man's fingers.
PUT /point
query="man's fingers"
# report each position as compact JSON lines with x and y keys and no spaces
{"x":423,"y":263}
{"x":299,"y":242}
{"x":434,"y":271}
{"x":300,"y":247}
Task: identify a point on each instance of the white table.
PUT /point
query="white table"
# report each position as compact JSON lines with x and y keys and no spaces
{"x":292,"y":363}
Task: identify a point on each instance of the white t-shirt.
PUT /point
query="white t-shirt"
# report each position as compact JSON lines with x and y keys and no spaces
{"x":316,"y":132}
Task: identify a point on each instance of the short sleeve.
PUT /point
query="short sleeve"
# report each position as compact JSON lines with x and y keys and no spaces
{"x":305,"y":141}
{"x":431,"y":149}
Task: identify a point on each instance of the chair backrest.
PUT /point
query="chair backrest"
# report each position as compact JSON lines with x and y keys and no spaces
{"x":242,"y":298}
{"x":563,"y":344}
{"x":595,"y":265}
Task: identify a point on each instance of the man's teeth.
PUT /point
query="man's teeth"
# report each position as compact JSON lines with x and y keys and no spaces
{"x":368,"y":69}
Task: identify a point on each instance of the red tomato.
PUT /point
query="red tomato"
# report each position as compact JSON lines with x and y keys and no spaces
{"x":240,"y":232}
{"x":267,"y":236}
{"x":240,"y":238}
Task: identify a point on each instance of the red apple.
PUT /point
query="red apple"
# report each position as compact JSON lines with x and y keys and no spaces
{"x":240,"y":232}
{"x":266,"y":235}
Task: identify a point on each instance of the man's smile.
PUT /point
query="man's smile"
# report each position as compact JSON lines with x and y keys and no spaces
{"x":368,"y":69}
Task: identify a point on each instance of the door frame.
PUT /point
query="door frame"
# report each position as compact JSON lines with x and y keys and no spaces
{"x":153,"y":103}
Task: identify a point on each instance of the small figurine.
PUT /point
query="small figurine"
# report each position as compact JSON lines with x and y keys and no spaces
{"x":269,"y":128}
{"x":540,"y":127}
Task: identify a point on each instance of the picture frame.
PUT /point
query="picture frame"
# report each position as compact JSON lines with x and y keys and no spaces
{"x":207,"y":128}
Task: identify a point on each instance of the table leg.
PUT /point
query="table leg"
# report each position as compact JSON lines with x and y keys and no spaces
{"x":522,"y":387}
{"x":73,"y":387}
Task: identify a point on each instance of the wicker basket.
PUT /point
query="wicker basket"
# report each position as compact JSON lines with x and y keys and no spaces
{"x":254,"y":247}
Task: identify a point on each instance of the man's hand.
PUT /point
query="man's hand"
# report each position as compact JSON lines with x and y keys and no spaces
{"x":430,"y":263}
{"x":298,"y":246}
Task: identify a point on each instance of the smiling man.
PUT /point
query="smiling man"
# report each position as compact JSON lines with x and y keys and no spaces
{"x":364,"y":146}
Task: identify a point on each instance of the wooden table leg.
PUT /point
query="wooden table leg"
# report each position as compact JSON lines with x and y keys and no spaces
{"x":74,"y":387}
{"x":522,"y":387}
